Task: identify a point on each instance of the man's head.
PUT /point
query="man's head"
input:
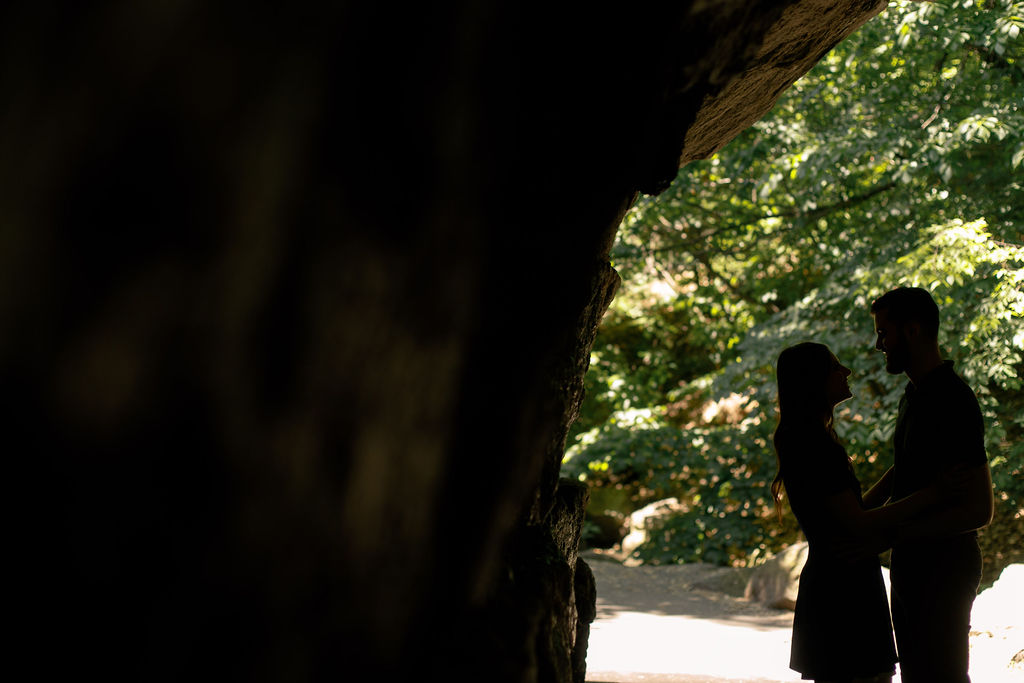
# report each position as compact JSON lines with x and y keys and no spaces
{"x":906,"y":326}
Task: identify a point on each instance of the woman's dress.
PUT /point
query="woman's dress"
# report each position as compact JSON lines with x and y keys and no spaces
{"x":841,"y":626}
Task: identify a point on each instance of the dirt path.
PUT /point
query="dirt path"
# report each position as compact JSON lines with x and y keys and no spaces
{"x":675,"y":624}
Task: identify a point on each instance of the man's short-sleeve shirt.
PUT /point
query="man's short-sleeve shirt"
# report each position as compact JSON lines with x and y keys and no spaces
{"x":939,"y":425}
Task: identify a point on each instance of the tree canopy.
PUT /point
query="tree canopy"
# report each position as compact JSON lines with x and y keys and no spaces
{"x":899,"y":159}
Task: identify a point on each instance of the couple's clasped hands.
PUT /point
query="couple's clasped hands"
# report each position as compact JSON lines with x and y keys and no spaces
{"x":870,"y":540}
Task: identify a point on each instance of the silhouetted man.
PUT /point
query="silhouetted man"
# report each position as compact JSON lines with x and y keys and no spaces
{"x":936,"y":564}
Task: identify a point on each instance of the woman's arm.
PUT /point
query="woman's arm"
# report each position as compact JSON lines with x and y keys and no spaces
{"x":880,"y":492}
{"x":877,"y":527}
{"x":960,"y":501}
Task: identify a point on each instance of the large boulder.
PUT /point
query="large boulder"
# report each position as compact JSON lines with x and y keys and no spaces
{"x":544,"y":603}
{"x":776,"y":582}
{"x":585,"y":589}
{"x":794,"y":43}
{"x":643,"y":520}
{"x":283,"y":286}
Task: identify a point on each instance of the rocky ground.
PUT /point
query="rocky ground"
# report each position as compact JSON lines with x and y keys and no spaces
{"x":690,"y":624}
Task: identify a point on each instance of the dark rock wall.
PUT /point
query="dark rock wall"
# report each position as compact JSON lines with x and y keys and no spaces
{"x":800,"y":36}
{"x":295,"y":304}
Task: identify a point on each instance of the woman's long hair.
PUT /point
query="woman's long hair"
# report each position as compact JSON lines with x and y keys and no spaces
{"x":804,"y":412}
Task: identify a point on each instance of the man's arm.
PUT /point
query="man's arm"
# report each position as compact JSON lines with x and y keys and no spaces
{"x":969,"y":507}
{"x":880,"y":492}
{"x":961,"y":502}
{"x":872,"y":530}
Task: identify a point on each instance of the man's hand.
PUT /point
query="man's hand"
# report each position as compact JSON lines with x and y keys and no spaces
{"x":859,"y":548}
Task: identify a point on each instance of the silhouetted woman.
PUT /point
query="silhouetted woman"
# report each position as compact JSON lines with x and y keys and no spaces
{"x":842,"y":629}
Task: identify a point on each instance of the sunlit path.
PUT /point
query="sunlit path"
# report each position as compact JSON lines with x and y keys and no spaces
{"x":665,"y":625}
{"x":668,"y":625}
{"x":627,"y":645}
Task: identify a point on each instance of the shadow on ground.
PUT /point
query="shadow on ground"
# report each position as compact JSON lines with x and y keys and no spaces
{"x":700,"y":591}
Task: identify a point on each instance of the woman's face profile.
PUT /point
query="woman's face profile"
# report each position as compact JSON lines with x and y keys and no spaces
{"x":837,"y":389}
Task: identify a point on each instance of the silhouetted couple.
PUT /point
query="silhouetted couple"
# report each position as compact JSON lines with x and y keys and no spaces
{"x":927,"y":508}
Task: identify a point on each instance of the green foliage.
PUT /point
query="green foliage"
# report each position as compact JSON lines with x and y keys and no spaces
{"x":896,"y":160}
{"x":719,"y":473}
{"x":977,"y":283}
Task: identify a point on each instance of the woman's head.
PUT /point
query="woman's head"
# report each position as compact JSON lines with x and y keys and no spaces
{"x":811,"y":381}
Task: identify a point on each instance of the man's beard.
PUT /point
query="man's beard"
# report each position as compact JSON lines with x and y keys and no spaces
{"x":895,"y":363}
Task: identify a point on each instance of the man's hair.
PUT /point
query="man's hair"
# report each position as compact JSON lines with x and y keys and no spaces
{"x":906,"y":304}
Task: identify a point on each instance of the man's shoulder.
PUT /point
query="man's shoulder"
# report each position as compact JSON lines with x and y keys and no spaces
{"x":952,"y":401}
{"x":947,"y":380}
{"x":960,"y":386}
